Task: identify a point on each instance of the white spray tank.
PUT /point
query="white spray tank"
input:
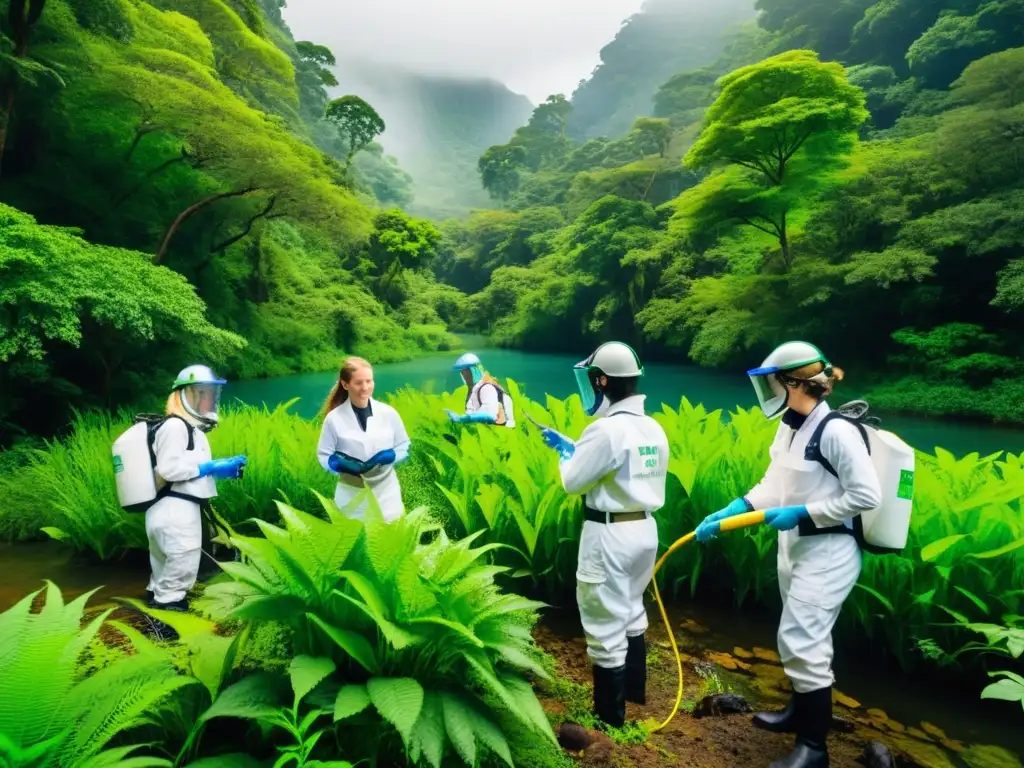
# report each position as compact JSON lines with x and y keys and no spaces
{"x":134,"y":473}
{"x":887,"y":526}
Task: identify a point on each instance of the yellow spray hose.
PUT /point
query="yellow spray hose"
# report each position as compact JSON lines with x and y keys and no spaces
{"x":733,"y":523}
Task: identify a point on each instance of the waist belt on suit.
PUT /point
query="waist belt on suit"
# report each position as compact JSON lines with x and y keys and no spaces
{"x":612,"y":517}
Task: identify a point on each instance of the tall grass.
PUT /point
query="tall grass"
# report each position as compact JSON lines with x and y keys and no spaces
{"x":965,"y":556}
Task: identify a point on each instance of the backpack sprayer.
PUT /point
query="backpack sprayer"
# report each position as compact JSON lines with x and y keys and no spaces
{"x":882,"y":530}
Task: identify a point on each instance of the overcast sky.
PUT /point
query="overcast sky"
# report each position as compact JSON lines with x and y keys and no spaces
{"x":535,"y":47}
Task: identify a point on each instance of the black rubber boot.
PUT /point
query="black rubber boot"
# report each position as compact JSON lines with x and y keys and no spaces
{"x":610,"y":695}
{"x":636,"y":670}
{"x":813,"y":719}
{"x":778,"y":722}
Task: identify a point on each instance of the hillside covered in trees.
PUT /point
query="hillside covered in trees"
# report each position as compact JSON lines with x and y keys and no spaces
{"x":851,"y":173}
{"x":437,"y":127}
{"x":177,"y":183}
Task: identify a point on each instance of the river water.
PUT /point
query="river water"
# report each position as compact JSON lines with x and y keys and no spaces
{"x":537,"y":374}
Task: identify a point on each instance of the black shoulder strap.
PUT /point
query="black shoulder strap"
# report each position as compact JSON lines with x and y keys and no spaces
{"x":153,"y":423}
{"x":813,"y":450}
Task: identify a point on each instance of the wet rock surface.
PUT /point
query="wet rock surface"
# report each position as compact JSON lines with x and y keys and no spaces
{"x":877,"y":755}
{"x":718,"y":704}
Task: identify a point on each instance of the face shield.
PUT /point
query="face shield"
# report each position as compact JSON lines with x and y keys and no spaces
{"x":592,"y":398}
{"x":771,"y":395}
{"x":202,"y":401}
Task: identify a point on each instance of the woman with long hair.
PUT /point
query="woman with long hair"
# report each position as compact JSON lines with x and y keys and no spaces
{"x":361,"y":441}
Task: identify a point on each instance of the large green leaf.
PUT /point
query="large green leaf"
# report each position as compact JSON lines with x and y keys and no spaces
{"x":352,"y":643}
{"x":429,"y":734}
{"x":399,"y":701}
{"x":352,"y":699}
{"x":307,"y":672}
{"x":254,"y":697}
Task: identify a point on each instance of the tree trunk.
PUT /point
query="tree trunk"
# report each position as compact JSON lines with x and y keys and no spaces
{"x":188,"y":212}
{"x":787,"y":253}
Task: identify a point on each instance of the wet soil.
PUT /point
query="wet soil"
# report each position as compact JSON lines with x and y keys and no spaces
{"x":731,"y":740}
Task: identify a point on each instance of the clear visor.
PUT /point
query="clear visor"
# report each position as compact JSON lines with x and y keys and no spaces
{"x":586,"y":389}
{"x":771,"y":395}
{"x":201,"y":400}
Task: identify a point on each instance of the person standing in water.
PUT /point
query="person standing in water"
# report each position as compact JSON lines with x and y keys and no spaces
{"x":174,"y":525}
{"x":620,"y":463}
{"x":486,"y":401}
{"x":819,"y":558}
{"x":361,"y":441}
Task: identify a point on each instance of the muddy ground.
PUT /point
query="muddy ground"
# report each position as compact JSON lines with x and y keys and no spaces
{"x":729,"y":741}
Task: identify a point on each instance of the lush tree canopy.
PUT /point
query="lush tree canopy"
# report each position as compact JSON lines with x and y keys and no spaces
{"x":840,"y":155}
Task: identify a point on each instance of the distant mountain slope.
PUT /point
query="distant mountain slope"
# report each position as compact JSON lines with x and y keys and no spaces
{"x":666,"y":37}
{"x":437,"y":127}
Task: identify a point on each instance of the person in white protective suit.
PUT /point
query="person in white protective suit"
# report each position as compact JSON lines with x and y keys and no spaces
{"x":620,"y":463}
{"x":174,"y":524}
{"x":819,"y":558}
{"x":361,"y":441}
{"x":486,"y":401}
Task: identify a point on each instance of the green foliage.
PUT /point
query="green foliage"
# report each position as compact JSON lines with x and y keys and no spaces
{"x":51,"y":718}
{"x":788,"y":120}
{"x":399,"y":243}
{"x":810,"y":191}
{"x":425,"y":645}
{"x":357,"y":122}
{"x":77,"y":315}
{"x":651,"y":46}
{"x":502,"y":487}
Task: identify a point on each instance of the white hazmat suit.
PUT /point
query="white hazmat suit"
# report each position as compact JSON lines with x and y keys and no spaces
{"x":817,"y":570}
{"x":342,"y":432}
{"x":483,"y":398}
{"x":620,"y":463}
{"x":174,"y":525}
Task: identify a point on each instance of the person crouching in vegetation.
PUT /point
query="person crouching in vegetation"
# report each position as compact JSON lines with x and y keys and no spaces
{"x":361,"y":441}
{"x":486,"y":401}
{"x":621,"y":464}
{"x":819,"y":558}
{"x":174,"y":524}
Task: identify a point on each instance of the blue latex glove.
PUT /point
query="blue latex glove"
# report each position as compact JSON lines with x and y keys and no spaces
{"x":470,"y":418}
{"x":387,"y":456}
{"x":223,"y":469}
{"x":340,"y":462}
{"x":562,"y":444}
{"x":708,"y":528}
{"x":785,"y":518}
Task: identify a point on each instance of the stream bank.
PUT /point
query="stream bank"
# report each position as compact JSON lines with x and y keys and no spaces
{"x":722,"y":651}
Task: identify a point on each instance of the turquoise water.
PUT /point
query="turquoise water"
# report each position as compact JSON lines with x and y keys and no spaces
{"x":538,"y":373}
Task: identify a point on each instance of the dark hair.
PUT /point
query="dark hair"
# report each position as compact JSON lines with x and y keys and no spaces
{"x":339,"y":394}
{"x":618,"y":387}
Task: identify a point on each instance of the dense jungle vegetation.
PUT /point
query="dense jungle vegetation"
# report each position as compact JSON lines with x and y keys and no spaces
{"x":177,"y":184}
{"x":846,"y":172}
{"x":373,"y":642}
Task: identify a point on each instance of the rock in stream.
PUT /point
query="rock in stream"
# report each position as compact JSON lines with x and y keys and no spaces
{"x":719,"y":704}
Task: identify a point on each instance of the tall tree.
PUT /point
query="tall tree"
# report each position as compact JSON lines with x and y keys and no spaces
{"x":357,"y":121}
{"x":777,"y":129}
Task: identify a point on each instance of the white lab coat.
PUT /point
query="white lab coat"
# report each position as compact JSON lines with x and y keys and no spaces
{"x":816,"y":572}
{"x":483,"y":398}
{"x":174,"y":526}
{"x":620,"y":464}
{"x":384,"y":429}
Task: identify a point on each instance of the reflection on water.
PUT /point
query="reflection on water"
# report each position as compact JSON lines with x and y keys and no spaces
{"x":537,"y":374}
{"x":25,"y":567}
